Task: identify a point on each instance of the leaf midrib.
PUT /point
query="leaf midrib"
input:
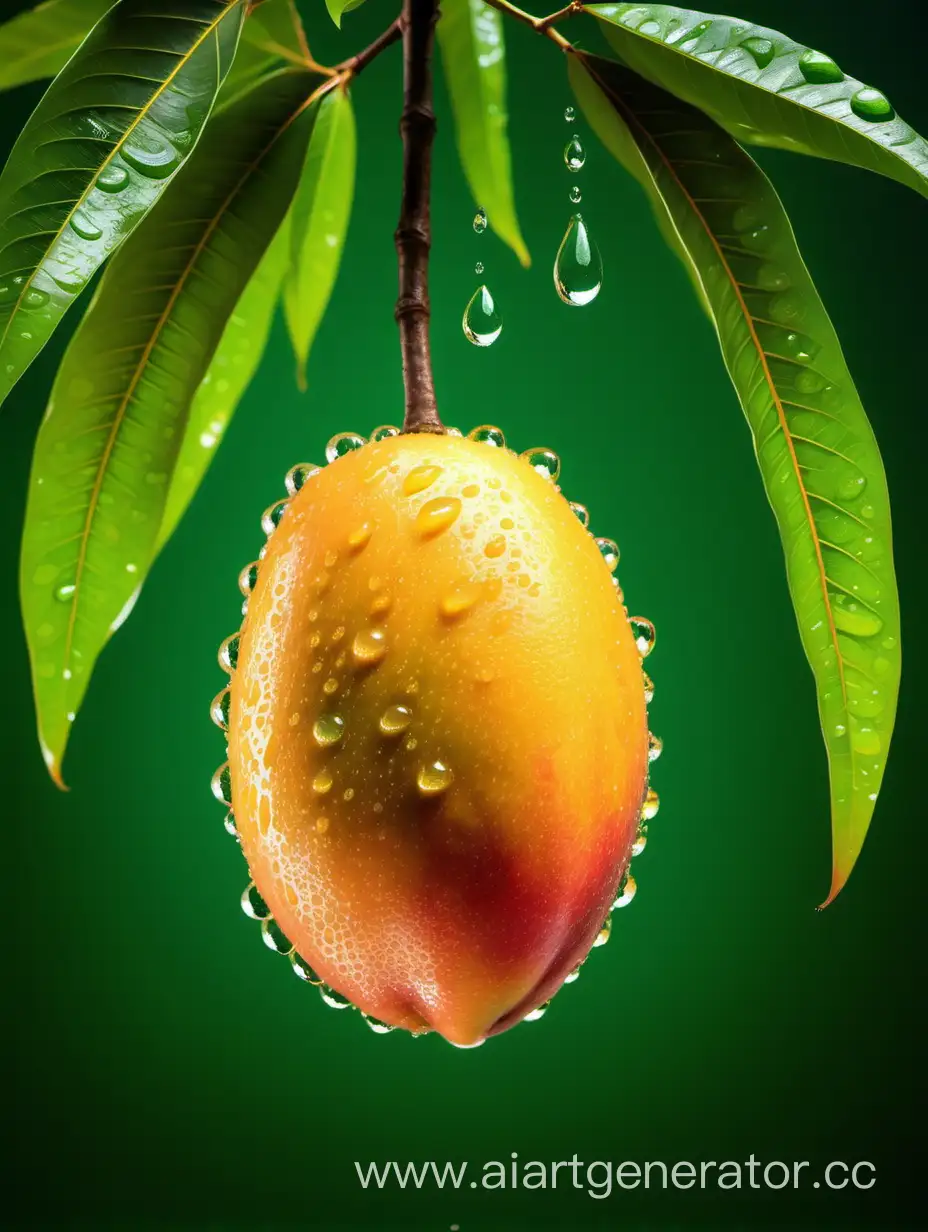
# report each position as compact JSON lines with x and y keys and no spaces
{"x":755,"y":340}
{"x":143,"y":111}
{"x":146,"y":355}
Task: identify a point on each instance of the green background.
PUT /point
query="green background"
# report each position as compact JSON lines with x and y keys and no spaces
{"x":167,"y":1071}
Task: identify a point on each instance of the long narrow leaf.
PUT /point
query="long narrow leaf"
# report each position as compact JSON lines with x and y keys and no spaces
{"x":233,"y":365}
{"x":115,"y":423}
{"x":470,"y":35}
{"x":39,"y":42}
{"x":818,"y":458}
{"x":97,"y":153}
{"x":321,"y":211}
{"x":765,"y":88}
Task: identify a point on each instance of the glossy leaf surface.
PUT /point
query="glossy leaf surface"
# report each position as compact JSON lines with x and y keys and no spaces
{"x":98,"y":151}
{"x":818,"y":458}
{"x":233,"y":365}
{"x":109,"y":443}
{"x":39,"y":42}
{"x":276,"y":26}
{"x":338,"y":8}
{"x":473,"y":51}
{"x":320,"y":216}
{"x":765,"y":88}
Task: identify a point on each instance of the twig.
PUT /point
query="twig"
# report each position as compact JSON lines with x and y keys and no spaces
{"x":354,"y":64}
{"x":542,"y":25}
{"x":413,"y":234}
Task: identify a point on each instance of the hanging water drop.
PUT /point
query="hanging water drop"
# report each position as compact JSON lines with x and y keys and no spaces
{"x":481,"y":323}
{"x":545,"y":462}
{"x":575,"y":195}
{"x":578,"y":267}
{"x":488,"y":435}
{"x":342,"y":443}
{"x":274,"y":937}
{"x":574,"y":154}
{"x":253,"y":904}
{"x":248,"y":578}
{"x":297,"y":476}
{"x":219,"y":710}
{"x":610,"y":552}
{"x":303,"y":970}
{"x":228,"y":653}
{"x":480,"y":221}
{"x":581,"y":512}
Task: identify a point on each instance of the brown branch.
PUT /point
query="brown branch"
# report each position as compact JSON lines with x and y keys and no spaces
{"x":413,"y":234}
{"x":354,"y":64}
{"x":542,"y":25}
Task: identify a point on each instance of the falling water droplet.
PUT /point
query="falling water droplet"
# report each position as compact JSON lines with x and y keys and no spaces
{"x":342,"y":443}
{"x":575,"y":195}
{"x":394,"y":720}
{"x":328,"y":729}
{"x":545,"y":462}
{"x":488,"y":435}
{"x":870,"y":104}
{"x":480,"y":221}
{"x":481,"y":322}
{"x":610,"y":552}
{"x":581,"y":512}
{"x":228,"y":653}
{"x":578,"y":267}
{"x":570,"y":115}
{"x":298,"y":475}
{"x":478,"y":268}
{"x":219,"y":710}
{"x":253,"y":904}
{"x":574,"y":154}
{"x":818,"y":68}
{"x":434,"y":778}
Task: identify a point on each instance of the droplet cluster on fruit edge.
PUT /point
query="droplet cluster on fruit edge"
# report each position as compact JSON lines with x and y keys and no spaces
{"x":433,"y":777}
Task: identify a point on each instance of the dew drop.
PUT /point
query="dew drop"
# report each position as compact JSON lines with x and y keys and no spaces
{"x":219,"y":710}
{"x":369,"y":646}
{"x":644,"y":633}
{"x":328,"y":729}
{"x":248,"y":578}
{"x":302,"y":970}
{"x":480,"y":221}
{"x":228,"y":653}
{"x":221,"y":785}
{"x":384,"y":432}
{"x":334,"y":1000}
{"x":581,"y":512}
{"x":652,"y":804}
{"x":648,"y":689}
{"x":420,"y":478}
{"x":545,"y":462}
{"x":360,"y":537}
{"x":376,"y":1025}
{"x":230,"y":827}
{"x":433,"y":778}
{"x":297,"y":475}
{"x":154,"y":159}
{"x":488,"y":435}
{"x":482,"y":323}
{"x":536,"y":1014}
{"x":461,"y":599}
{"x":853,"y":618}
{"x":394,"y":720}
{"x":34,"y":298}
{"x":576,"y":196}
{"x":818,"y":68}
{"x":570,"y":115}
{"x":322,"y":825}
{"x":604,"y":933}
{"x":866,"y":740}
{"x":574,"y":154}
{"x":437,"y":515}
{"x":274,"y":938}
{"x":113,"y":179}
{"x":342,"y":443}
{"x":495,"y":546}
{"x":655,"y":746}
{"x":610,"y":552}
{"x":628,"y":887}
{"x":322,"y":782}
{"x":640,"y":842}
{"x":64,"y":594}
{"x":578,"y":267}
{"x":330,"y":687}
{"x":271,"y":517}
{"x":761,"y":49}
{"x":81,"y":225}
{"x":253,"y":904}
{"x":870,"y":104}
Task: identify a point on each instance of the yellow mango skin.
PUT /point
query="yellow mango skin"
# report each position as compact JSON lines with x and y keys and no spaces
{"x":447,"y":577}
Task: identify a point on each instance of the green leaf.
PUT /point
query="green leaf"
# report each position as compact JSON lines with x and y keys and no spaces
{"x":766,"y":89}
{"x":39,"y":42}
{"x":96,"y":154}
{"x":276,"y":26}
{"x":473,"y":52}
{"x":320,"y":216}
{"x":114,"y":427}
{"x":338,"y":8}
{"x":233,"y":365}
{"x":818,"y":458}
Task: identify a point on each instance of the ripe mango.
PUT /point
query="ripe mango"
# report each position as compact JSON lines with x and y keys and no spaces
{"x":438,"y":739}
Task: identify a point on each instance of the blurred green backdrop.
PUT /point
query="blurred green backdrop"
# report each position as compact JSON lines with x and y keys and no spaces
{"x":167,"y":1071}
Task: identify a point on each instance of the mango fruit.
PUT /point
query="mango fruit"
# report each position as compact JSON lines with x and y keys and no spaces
{"x":438,"y":736}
